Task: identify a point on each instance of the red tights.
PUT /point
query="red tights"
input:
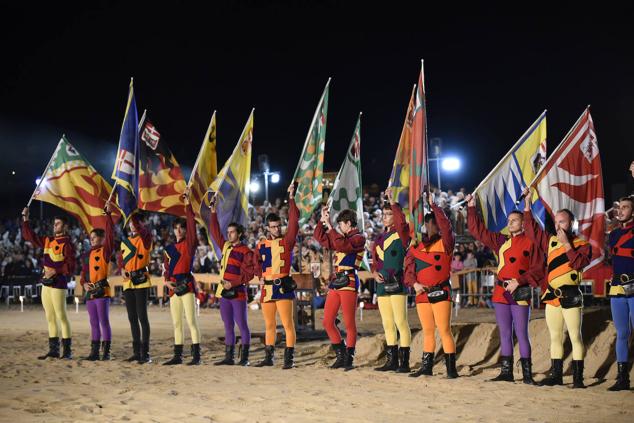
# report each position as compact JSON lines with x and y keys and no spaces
{"x":347,"y":300}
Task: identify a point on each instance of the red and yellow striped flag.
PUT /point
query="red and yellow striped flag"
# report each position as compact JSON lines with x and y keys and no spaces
{"x":161,"y":180}
{"x":72,"y":184}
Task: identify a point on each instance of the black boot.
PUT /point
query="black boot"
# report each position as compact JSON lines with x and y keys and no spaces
{"x":506,"y":371}
{"x":105,"y":346}
{"x":426,"y":366}
{"x":195,"y":355}
{"x":144,"y":353}
{"x":178,"y":356}
{"x":555,"y":376}
{"x":577,"y":374}
{"x":527,"y":371}
{"x":622,"y":378}
{"x":391,"y":363}
{"x":269,"y":353}
{"x":94,"y":351}
{"x":403,"y":367}
{"x":67,"y":352}
{"x":450,"y":362}
{"x":340,"y":351}
{"x":244,"y":355}
{"x":53,"y":349}
{"x":348,"y":363}
{"x":229,"y":360}
{"x":136,"y":352}
{"x":289,"y":358}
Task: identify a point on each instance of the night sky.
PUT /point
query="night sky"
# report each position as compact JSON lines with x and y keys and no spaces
{"x":488,"y":77}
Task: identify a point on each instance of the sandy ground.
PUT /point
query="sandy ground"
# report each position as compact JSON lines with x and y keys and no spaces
{"x":79,"y":391}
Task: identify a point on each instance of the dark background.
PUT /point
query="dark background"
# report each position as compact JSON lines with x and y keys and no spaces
{"x":489,"y":73}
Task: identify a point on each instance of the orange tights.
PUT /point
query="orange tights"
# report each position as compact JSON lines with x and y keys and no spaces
{"x":434,"y":316}
{"x":285,"y":309}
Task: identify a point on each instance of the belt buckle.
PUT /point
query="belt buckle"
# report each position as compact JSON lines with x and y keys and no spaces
{"x":558,"y":295}
{"x":505,"y":284}
{"x":625,"y":278}
{"x":277,"y":282}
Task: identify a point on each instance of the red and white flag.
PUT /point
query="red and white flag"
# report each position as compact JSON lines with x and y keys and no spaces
{"x":150,"y":135}
{"x":572,"y":179}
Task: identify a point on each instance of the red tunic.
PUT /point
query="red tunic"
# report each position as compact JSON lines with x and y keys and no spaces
{"x":519,"y":258}
{"x":179,"y":257}
{"x":429,"y":262}
{"x":349,"y":250}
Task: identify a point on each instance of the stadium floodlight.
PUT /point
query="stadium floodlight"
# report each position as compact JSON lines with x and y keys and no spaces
{"x":451,"y":164}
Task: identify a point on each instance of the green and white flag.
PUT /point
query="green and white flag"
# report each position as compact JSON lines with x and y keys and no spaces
{"x":347,"y":192}
{"x":310,"y":169}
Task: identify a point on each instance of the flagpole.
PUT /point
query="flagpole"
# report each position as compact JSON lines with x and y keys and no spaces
{"x":142,"y":121}
{"x":422,"y":71}
{"x":541,"y":169}
{"x":45,"y":170}
{"x":189,"y":183}
{"x":312,"y":122}
{"x":511,"y":151}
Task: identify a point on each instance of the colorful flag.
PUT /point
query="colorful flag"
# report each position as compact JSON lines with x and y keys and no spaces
{"x":204,"y":172}
{"x":126,"y":170}
{"x":572,"y":179}
{"x":347,"y":190}
{"x":232,"y":185}
{"x":72,"y":184}
{"x":399,"y":179}
{"x":310,"y":169}
{"x":161,"y":180}
{"x":500,"y":190}
{"x":418,"y":172}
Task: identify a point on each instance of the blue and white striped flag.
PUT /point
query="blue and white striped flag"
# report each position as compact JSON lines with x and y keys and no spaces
{"x":501,"y":189}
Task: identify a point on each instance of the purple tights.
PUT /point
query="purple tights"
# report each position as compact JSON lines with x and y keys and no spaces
{"x":99,"y":313}
{"x":235,"y":312}
{"x":511,"y":317}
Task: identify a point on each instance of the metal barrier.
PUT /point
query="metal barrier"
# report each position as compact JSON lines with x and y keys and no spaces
{"x":15,"y":286}
{"x":470,"y":288}
{"x":474,"y":288}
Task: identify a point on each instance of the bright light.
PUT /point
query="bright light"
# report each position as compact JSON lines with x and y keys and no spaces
{"x":254,"y":186}
{"x":451,"y":164}
{"x":275,"y":178}
{"x":37,"y":181}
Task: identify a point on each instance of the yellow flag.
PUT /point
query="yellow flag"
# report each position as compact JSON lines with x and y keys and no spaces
{"x":204,"y":172}
{"x":232,"y":184}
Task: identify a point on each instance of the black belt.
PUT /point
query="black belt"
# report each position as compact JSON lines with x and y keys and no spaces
{"x":626,"y":278}
{"x":182,"y":277}
{"x":138,"y":271}
{"x":503,"y":284}
{"x":277,"y":281}
{"x":558,"y":293}
{"x":444,"y":284}
{"x":346,"y":272}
